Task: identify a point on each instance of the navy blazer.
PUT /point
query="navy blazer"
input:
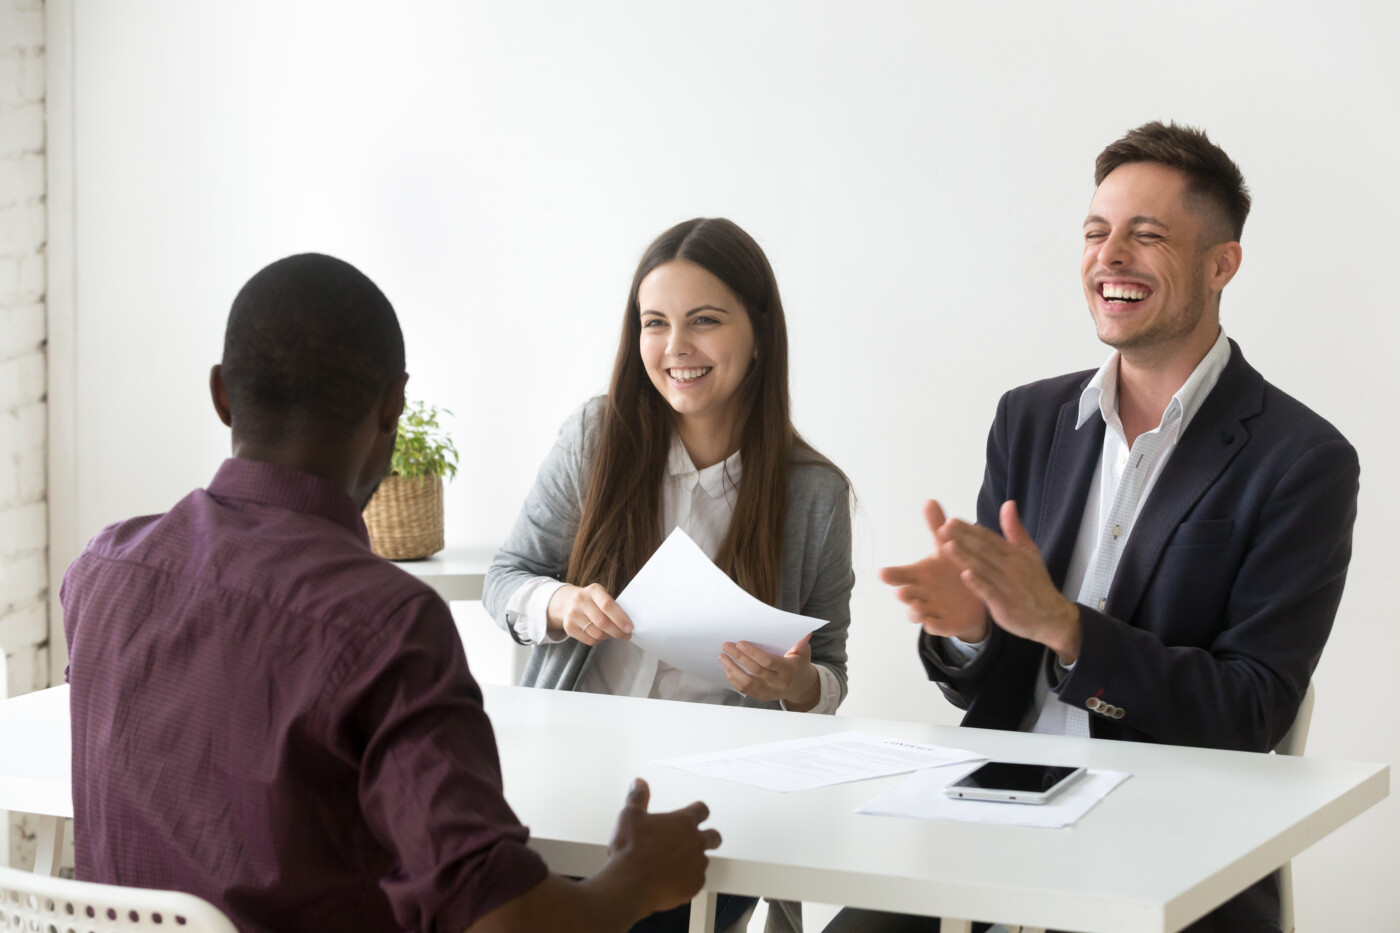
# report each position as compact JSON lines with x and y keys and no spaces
{"x":1226,"y":590}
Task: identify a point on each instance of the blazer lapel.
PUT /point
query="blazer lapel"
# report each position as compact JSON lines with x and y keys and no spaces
{"x":1215,"y":437}
{"x":1074,"y":457}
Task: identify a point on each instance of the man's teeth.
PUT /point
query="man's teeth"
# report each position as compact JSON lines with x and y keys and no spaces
{"x":1123,"y":292}
{"x":686,"y":375}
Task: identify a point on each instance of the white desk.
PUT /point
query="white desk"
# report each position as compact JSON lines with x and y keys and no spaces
{"x":1190,"y":829}
{"x":457,"y":573}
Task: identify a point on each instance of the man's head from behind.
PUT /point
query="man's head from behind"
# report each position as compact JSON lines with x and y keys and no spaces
{"x":313,"y":370}
{"x":1162,"y":240}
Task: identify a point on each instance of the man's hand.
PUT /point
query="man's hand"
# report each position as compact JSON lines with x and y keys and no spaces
{"x":656,"y":861}
{"x":756,"y":673}
{"x":663,"y":854}
{"x":1009,"y":576}
{"x":587,"y":613}
{"x":934,"y":591}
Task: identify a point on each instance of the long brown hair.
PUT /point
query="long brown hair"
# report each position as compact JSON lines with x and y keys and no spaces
{"x":621,"y":523}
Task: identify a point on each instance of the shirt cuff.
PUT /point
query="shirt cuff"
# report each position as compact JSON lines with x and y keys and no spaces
{"x":961,"y":653}
{"x":1058,"y":672}
{"x":527,"y":612}
{"x":830,"y":691}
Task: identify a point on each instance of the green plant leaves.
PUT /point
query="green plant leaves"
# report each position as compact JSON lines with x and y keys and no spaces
{"x":423,"y":447}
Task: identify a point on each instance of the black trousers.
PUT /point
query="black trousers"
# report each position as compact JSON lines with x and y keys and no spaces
{"x":728,"y":908}
{"x":852,"y":920}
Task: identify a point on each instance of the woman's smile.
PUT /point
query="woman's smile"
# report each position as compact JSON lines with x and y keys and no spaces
{"x":687,"y":377}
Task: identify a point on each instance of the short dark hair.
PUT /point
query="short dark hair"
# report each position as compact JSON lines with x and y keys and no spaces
{"x":1214,"y":181}
{"x":310,"y":339}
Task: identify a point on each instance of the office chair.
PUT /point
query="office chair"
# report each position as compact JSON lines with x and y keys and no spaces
{"x":1293,"y":743}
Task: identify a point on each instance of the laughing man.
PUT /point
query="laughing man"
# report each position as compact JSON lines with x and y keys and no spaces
{"x":1174,"y":530}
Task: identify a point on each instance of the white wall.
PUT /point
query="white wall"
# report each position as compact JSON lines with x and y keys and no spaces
{"x":917,"y":173}
{"x":24,"y":583}
{"x":23,"y":536}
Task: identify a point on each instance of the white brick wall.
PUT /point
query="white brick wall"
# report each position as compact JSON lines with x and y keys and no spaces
{"x":24,"y":584}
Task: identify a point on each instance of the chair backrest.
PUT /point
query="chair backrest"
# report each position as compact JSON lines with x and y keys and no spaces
{"x":1293,"y":743}
{"x":1296,"y":738}
{"x":31,"y":902}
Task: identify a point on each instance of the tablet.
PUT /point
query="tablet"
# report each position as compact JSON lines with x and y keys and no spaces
{"x":1014,"y":782}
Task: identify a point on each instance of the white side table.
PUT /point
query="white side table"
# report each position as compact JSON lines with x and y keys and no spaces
{"x":457,"y":573}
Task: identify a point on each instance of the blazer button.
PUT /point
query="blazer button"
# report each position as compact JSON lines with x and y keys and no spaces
{"x":1093,"y":703}
{"x":1117,"y":712}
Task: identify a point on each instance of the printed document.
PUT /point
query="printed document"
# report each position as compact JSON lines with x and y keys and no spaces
{"x":921,"y":795}
{"x":683,"y":609}
{"x":820,"y":760}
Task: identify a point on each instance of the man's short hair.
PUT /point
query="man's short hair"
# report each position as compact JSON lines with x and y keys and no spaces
{"x":310,"y":341}
{"x":1214,"y":181}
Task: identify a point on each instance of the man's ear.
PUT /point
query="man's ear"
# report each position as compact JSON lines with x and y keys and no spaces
{"x":220,"y":395}
{"x":392,"y":406}
{"x":1224,"y":263}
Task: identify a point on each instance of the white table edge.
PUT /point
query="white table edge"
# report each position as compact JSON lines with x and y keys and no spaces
{"x":758,"y":879}
{"x":1195,"y":903}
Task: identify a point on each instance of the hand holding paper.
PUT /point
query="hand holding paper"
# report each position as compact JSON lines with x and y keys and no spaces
{"x":684,"y":610}
{"x":587,"y":613}
{"x":758,"y":674}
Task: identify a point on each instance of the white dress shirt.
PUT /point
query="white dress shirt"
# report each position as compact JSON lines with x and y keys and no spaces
{"x":701,"y":503}
{"x":1108,"y":522}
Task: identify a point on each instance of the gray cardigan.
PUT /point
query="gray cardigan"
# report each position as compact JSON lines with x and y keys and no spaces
{"x":816,"y":578}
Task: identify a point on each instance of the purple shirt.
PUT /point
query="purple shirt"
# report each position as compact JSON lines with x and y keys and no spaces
{"x":269,"y":716}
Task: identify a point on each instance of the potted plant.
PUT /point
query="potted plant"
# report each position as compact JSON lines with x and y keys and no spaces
{"x":404,"y":516}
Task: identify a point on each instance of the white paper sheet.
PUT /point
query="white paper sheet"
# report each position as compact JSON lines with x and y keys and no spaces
{"x":921,"y":795}
{"x":801,"y":764}
{"x":683,"y":609}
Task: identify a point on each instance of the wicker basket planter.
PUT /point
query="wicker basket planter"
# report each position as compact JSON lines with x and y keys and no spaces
{"x":405,"y":517}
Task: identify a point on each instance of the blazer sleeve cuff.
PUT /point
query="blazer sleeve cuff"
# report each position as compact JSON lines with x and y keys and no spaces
{"x":1087,"y":676}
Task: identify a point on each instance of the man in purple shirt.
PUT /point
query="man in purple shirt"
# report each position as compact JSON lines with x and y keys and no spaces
{"x":269,"y":716}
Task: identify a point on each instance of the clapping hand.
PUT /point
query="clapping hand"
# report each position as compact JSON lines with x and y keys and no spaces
{"x":934,"y":590}
{"x":1009,"y":576}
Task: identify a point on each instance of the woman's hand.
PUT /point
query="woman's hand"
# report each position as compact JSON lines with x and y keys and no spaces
{"x":756,"y":673}
{"x":587,"y":613}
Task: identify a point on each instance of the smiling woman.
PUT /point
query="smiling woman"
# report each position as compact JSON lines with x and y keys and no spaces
{"x":695,"y":434}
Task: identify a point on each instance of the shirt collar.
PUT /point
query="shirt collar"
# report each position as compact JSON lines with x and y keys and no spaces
{"x":1101,"y":394}
{"x":286,"y":488}
{"x":714,"y":479}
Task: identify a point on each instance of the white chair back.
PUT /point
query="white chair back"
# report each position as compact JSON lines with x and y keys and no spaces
{"x":30,"y":902}
{"x":1296,"y":738}
{"x":1293,"y":743}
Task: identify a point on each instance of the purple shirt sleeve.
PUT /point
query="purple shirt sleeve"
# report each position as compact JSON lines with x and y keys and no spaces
{"x":430,"y":779}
